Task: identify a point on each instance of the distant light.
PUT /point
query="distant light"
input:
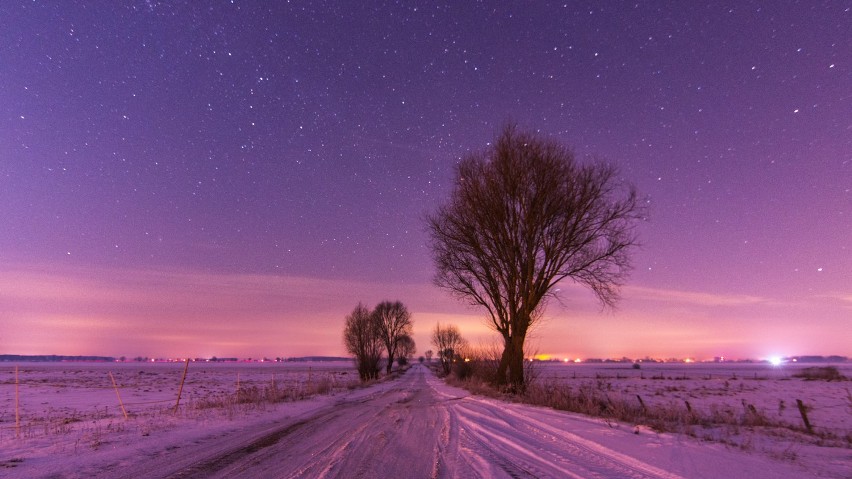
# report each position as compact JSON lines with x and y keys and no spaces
{"x":775,"y":360}
{"x":688,"y":360}
{"x":578,"y":360}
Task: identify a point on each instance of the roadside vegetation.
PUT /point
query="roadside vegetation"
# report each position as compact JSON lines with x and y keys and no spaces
{"x":599,"y":398}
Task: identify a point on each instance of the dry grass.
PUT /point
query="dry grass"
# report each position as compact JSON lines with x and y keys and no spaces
{"x":93,"y":426}
{"x":248,"y":398}
{"x":824,"y":373}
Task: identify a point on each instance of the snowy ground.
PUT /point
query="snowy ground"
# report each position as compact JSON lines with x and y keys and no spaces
{"x":81,"y":391}
{"x":725,"y":389}
{"x":414,"y":426}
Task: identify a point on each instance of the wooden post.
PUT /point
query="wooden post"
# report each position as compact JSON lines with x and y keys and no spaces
{"x":118,"y":395}
{"x":641,"y":402}
{"x":804,"y":416}
{"x":180,"y":389}
{"x":17,"y":406}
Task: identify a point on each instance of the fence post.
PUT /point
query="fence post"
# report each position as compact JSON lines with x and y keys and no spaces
{"x":641,"y":402}
{"x":118,"y":395}
{"x":804,"y":416}
{"x":17,"y":406}
{"x":180,"y":389}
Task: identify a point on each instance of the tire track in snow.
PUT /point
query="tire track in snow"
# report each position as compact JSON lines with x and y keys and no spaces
{"x":524,"y":448}
{"x":207,"y":456}
{"x":394,"y":434}
{"x":510,"y":441}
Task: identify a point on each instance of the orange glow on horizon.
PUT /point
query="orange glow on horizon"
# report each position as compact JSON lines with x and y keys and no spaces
{"x":168,"y":314}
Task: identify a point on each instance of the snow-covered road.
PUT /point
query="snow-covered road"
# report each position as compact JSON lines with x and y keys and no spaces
{"x":416,"y":426}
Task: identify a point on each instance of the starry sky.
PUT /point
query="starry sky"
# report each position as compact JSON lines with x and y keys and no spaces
{"x":231,"y":178}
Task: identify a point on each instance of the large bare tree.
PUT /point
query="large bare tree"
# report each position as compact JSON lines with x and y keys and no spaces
{"x":523,"y":216}
{"x":394,"y":322}
{"x":362,"y":338}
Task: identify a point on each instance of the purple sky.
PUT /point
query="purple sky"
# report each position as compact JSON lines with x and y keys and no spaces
{"x":231,"y":178}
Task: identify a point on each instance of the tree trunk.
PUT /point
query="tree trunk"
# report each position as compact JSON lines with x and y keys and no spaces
{"x":516,"y":364}
{"x":390,"y":363}
{"x":510,"y":372}
{"x":503,"y":367}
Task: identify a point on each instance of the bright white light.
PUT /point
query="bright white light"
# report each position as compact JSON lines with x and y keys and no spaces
{"x":775,"y":360}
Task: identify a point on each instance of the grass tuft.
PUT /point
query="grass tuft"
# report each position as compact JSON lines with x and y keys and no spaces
{"x":823,"y":373}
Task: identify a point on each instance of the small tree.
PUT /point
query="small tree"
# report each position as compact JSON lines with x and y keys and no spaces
{"x":448,"y":341}
{"x":523,"y":216}
{"x":429,"y":355}
{"x":394,"y":323}
{"x":362,"y":338}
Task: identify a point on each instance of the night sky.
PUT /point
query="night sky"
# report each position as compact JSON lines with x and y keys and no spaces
{"x":231,"y":178}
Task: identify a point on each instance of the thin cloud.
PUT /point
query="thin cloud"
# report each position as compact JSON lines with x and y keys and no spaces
{"x":845,"y":299}
{"x":136,"y":306}
{"x":693,"y":298}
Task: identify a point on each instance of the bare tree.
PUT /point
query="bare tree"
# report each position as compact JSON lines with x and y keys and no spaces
{"x":362,"y":338}
{"x":523,"y":216}
{"x":394,"y":322}
{"x":448,"y":340}
{"x":406,"y":347}
{"x":428,"y":354}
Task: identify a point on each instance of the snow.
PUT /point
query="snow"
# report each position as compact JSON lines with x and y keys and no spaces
{"x":412,"y":426}
{"x":722,"y":387}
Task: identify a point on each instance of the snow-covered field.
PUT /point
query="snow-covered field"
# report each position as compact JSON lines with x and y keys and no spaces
{"x":414,"y":426}
{"x":723,"y":389}
{"x":63,"y":397}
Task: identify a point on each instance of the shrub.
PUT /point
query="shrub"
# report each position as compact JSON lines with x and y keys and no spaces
{"x":464,"y":369}
{"x":825,"y":373}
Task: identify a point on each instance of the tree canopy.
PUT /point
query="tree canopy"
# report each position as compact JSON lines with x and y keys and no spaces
{"x":362,"y":338}
{"x":523,"y":216}
{"x":394,"y":323}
